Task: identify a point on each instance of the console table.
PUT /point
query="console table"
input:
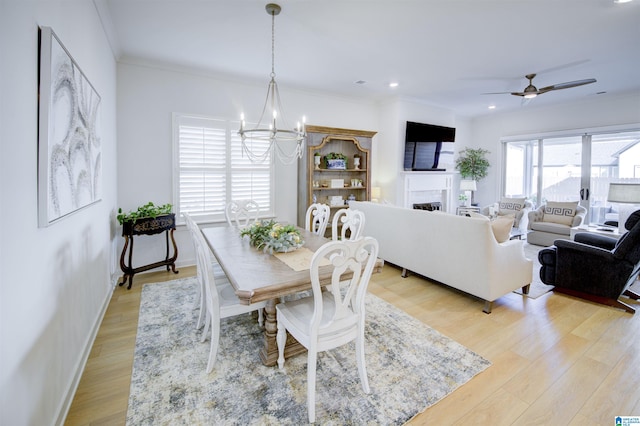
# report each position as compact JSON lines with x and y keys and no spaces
{"x":147,"y":226}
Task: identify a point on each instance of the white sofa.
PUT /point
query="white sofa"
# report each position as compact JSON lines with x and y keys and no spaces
{"x":458,"y":251}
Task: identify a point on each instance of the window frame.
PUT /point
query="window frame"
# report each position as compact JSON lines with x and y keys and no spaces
{"x":230,"y":169}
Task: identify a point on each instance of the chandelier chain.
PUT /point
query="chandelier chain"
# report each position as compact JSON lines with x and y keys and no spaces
{"x":273,"y":44}
{"x":267,"y":134}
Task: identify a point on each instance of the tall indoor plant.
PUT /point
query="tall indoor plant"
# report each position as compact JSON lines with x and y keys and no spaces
{"x":473,"y":164}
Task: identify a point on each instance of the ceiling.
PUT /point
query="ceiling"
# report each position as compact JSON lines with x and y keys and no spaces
{"x":442,"y":52}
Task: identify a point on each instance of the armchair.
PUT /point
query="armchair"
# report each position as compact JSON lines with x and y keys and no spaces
{"x":518,"y":207}
{"x":553,"y":221}
{"x":594,"y":267}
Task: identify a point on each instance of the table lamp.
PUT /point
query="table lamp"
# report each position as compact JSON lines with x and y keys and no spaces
{"x":375,"y":194}
{"x":626,"y":194}
{"x":468,"y":186}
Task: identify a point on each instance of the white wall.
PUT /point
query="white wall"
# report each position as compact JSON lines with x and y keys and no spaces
{"x":599,"y":111}
{"x":55,"y":281}
{"x":147,"y":97}
{"x":389,"y":157}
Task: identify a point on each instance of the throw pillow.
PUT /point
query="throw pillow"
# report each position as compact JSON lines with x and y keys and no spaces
{"x":562,"y":213}
{"x":502,"y":227}
{"x":510,"y":206}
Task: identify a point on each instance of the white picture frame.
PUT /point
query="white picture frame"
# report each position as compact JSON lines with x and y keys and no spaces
{"x":69,"y":146}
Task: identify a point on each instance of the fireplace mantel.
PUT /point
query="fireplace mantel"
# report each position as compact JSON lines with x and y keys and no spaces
{"x":424,"y":187}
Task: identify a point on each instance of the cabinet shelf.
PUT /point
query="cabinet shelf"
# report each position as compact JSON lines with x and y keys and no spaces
{"x":341,"y":170}
{"x":324,"y":141}
{"x":340,"y":189}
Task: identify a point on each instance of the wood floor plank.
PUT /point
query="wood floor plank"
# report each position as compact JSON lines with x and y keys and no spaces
{"x":555,"y":359}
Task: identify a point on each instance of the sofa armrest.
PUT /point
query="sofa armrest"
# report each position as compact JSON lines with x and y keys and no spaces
{"x":581,"y":212}
{"x":596,"y":240}
{"x":535,"y":216}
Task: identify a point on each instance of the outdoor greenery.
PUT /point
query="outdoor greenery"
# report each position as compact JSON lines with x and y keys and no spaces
{"x":472,"y":164}
{"x":147,"y":210}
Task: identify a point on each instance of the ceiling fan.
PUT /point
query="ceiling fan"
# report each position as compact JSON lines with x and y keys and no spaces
{"x":532,"y":91}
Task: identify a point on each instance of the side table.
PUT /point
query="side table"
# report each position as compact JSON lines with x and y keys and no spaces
{"x":600,"y":230}
{"x":465,"y":210}
{"x":147,"y":226}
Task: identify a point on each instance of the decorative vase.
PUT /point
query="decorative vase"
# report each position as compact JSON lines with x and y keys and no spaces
{"x":336,"y":164}
{"x":316,"y":161}
{"x":356,"y":163}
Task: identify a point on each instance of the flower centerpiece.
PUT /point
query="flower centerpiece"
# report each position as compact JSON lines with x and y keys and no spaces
{"x":273,"y":237}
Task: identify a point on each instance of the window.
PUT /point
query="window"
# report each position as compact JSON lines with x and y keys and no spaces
{"x":572,"y":167}
{"x":210,"y":170}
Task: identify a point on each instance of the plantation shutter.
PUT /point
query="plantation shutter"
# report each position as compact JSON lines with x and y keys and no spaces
{"x":211,"y":170}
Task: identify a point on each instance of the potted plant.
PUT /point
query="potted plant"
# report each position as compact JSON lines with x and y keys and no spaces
{"x":335,"y":161}
{"x":144,"y":217}
{"x":356,"y":161}
{"x":473,"y":164}
{"x":316,"y":160}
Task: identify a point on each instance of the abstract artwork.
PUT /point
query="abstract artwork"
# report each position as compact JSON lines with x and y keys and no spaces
{"x":69,"y":146}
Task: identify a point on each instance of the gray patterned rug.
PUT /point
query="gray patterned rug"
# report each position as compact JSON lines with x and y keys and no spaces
{"x":410,"y":367}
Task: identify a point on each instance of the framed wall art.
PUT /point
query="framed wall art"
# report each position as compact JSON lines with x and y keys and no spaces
{"x":69,"y":146}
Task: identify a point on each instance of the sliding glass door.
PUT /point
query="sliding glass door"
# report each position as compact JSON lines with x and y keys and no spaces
{"x":572,"y":168}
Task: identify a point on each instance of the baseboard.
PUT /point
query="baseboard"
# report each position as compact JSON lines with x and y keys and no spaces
{"x":82,"y":362}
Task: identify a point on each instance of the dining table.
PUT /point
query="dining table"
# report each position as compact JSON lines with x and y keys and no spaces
{"x":257,"y":276}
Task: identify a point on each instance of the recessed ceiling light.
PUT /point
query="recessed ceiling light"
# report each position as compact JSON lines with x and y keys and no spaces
{"x":492,"y":107}
{"x":622,"y":1}
{"x":393,"y":84}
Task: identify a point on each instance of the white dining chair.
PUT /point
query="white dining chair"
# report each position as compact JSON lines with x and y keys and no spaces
{"x":200,"y":300}
{"x":333,"y":317}
{"x":317,"y":218}
{"x":347,"y":224}
{"x":221,"y":299}
{"x":241,"y":213}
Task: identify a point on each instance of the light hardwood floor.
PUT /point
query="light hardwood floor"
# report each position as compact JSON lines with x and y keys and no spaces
{"x":556,"y":360}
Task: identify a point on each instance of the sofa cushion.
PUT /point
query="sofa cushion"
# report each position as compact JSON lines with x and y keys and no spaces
{"x":550,"y":227}
{"x":501,"y":227}
{"x":562,"y":213}
{"x":510,"y":205}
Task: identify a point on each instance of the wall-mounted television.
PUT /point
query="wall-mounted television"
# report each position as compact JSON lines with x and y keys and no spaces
{"x":423,"y":144}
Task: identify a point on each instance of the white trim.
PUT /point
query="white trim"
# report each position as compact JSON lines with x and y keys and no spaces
{"x":632,"y":127}
{"x":65,"y":404}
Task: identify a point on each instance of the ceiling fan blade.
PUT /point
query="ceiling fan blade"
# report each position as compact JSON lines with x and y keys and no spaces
{"x":567,"y":85}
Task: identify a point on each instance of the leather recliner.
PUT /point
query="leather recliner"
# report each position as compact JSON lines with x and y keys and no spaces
{"x":595,"y":267}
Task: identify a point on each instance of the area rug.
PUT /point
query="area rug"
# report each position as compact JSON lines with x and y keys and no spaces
{"x":410,"y":367}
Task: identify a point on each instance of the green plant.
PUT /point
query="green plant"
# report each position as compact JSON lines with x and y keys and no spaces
{"x":273,"y":237}
{"x":147,"y":210}
{"x":335,"y":156}
{"x":472,"y":163}
{"x":316,"y":154}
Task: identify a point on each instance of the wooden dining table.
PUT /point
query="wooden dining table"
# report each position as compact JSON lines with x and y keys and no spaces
{"x":257,"y":276}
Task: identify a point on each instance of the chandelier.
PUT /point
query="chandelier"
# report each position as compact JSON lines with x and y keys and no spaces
{"x":266,"y":132}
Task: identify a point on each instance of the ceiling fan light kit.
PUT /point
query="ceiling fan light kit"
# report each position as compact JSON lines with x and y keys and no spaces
{"x":532,"y":91}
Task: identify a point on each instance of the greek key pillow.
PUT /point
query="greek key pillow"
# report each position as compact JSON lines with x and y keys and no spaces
{"x":510,"y":206}
{"x":561,"y":213}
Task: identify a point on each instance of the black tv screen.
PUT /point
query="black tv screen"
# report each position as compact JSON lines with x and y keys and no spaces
{"x":423,"y":143}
